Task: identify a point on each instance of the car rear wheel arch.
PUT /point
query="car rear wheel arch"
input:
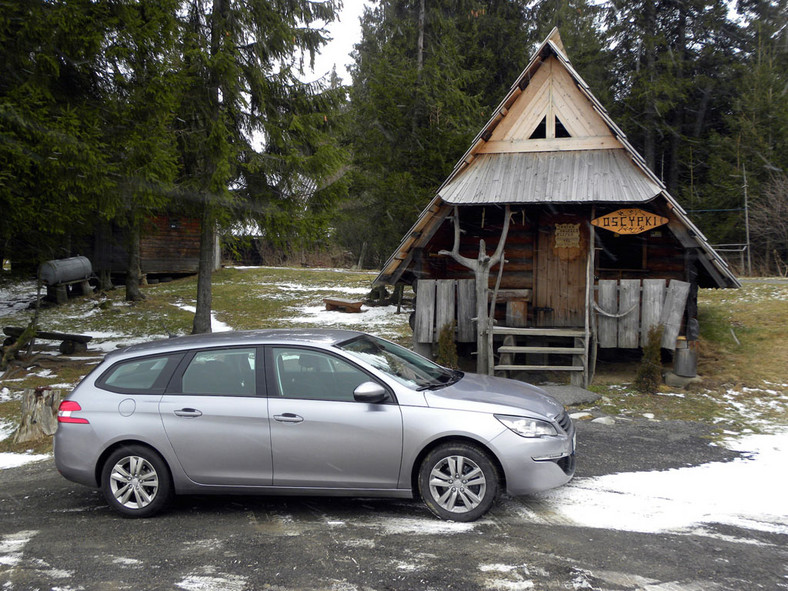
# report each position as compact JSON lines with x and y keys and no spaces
{"x":414,"y":472}
{"x":125,"y":443}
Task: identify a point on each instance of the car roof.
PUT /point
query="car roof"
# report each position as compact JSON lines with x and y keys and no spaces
{"x":279,"y":336}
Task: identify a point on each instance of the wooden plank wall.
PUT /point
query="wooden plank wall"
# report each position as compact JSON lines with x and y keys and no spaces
{"x":439,"y":302}
{"x":166,"y":249}
{"x":485,"y":223}
{"x":629,"y":310}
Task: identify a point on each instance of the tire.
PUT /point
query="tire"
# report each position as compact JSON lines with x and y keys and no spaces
{"x":136,"y":482}
{"x":458,"y":499}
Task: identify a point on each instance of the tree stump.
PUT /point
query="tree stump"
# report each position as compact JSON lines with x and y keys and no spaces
{"x":39,"y":415}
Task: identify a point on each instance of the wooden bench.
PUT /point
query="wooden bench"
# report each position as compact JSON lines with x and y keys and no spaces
{"x":69,"y":343}
{"x":342,"y":305}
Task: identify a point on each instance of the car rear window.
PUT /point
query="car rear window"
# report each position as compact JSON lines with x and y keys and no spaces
{"x":145,"y":374}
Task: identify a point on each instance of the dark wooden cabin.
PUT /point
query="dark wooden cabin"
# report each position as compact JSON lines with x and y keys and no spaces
{"x":169,"y":245}
{"x":595,"y":250}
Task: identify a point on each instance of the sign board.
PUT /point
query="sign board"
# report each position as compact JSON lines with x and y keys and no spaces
{"x":629,"y":221}
{"x":567,"y":235}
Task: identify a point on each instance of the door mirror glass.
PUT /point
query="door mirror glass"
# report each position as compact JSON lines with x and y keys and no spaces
{"x":370,"y":392}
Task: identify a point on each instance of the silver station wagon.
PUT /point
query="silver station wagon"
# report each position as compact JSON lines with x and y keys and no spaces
{"x":306,"y":412}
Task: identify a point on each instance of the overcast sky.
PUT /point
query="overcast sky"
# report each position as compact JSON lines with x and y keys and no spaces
{"x":345,"y":33}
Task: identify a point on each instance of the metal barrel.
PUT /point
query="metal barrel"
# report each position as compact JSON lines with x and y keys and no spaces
{"x":65,"y":270}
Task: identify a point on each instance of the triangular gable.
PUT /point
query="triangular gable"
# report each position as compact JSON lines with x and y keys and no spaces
{"x":551,"y":114}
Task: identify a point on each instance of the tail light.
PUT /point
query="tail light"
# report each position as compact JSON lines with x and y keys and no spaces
{"x":64,"y":412}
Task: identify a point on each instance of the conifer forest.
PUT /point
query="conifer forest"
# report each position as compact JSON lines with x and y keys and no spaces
{"x":113,"y":110}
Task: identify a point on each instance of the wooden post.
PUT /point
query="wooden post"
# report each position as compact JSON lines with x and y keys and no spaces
{"x":481,"y":269}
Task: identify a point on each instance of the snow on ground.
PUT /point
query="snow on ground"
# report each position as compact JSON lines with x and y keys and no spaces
{"x":11,"y":460}
{"x":216,"y":325}
{"x":16,"y":297}
{"x":379,"y":320}
{"x":6,"y":428}
{"x":743,"y":493}
{"x":107,"y":342}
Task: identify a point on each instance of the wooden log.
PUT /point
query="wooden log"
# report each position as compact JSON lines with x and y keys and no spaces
{"x":673,"y":312}
{"x":607,"y":326}
{"x":39,"y":415}
{"x":425,"y":311}
{"x":342,"y":305}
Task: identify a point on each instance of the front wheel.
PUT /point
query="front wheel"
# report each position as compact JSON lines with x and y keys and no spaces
{"x":458,"y":482}
{"x":135,"y":481}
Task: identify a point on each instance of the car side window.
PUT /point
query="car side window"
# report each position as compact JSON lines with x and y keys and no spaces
{"x":222,"y":372}
{"x":140,"y":375}
{"x":310,"y":374}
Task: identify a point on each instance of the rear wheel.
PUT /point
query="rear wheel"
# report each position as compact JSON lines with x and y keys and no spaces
{"x":458,"y":482}
{"x":135,"y":481}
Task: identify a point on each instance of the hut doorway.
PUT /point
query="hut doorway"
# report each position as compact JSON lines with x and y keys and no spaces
{"x":560,"y":278}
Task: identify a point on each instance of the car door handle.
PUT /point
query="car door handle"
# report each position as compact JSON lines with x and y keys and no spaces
{"x":189,"y":413}
{"x":288,"y":417}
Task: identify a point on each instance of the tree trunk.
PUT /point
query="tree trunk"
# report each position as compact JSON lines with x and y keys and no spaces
{"x":39,"y":415}
{"x":650,"y":124}
{"x":133,"y":272}
{"x":202,"y":316}
{"x":677,"y":124}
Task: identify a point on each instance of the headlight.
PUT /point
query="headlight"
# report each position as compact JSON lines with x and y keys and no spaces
{"x":526,"y":427}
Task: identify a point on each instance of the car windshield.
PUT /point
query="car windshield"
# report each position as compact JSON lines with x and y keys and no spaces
{"x":408,"y":368}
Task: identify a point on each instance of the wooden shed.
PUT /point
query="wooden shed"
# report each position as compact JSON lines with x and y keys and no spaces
{"x":551,"y":237}
{"x":169,"y":245}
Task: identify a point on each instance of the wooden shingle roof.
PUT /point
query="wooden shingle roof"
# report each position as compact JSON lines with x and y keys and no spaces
{"x":558,"y":177}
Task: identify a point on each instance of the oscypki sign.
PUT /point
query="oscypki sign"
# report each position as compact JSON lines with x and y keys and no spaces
{"x":629,"y":221}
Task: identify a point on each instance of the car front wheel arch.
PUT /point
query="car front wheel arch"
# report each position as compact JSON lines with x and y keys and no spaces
{"x":458,"y":481}
{"x":414,"y":475}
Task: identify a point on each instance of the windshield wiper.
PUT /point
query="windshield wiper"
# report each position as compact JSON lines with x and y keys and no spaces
{"x":451,"y":378}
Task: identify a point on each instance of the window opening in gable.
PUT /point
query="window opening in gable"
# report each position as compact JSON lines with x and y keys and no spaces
{"x":540,"y":132}
{"x":560,"y":130}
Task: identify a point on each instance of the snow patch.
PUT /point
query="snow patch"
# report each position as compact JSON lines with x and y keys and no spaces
{"x":216,"y":325}
{"x":213,"y":583}
{"x":424,"y":527}
{"x":741,"y":493}
{"x":12,"y":546}
{"x":6,"y":428}
{"x":11,"y":460}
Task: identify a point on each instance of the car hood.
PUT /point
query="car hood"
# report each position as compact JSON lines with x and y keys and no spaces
{"x":490,"y":394}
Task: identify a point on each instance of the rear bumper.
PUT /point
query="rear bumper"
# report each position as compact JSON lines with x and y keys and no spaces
{"x":76,"y":451}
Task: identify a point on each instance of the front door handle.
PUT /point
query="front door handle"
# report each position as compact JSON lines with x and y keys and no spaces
{"x":288,"y":417}
{"x":189,"y":413}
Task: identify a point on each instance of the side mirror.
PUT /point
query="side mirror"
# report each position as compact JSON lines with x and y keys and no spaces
{"x":370,"y":392}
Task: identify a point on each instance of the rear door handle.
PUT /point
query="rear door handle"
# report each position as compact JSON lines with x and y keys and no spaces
{"x":189,"y":413}
{"x":288,"y":417}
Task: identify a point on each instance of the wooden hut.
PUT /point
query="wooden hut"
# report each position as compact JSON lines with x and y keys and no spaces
{"x":593,"y":250}
{"x":169,"y":245}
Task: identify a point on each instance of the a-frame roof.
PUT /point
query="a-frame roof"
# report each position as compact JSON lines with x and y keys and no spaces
{"x":551,"y":141}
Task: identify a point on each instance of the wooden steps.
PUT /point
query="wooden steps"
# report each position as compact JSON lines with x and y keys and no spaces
{"x":550,"y":346}
{"x":539,"y":368}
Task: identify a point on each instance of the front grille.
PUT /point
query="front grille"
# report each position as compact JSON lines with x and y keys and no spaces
{"x":564,"y":421}
{"x":567,"y":464}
